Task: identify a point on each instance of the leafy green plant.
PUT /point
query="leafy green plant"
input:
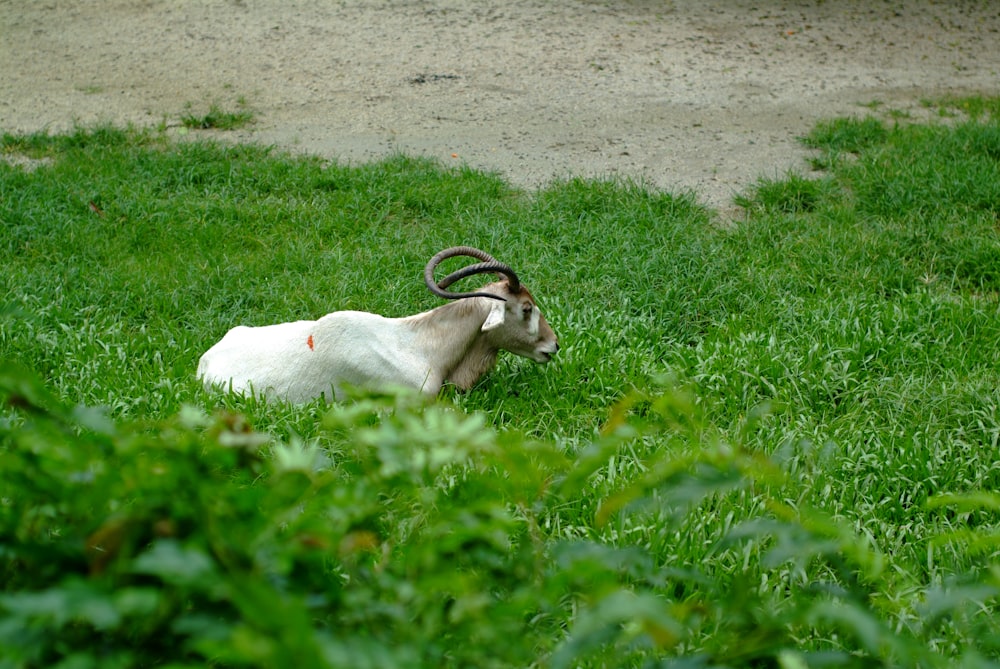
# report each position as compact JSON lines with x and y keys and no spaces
{"x":418,"y":536}
{"x":218,"y":119}
{"x":198,"y":539}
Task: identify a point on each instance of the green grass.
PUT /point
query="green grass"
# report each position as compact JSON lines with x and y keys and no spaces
{"x":760,"y":445}
{"x":218,"y":119}
{"x":974,"y":106}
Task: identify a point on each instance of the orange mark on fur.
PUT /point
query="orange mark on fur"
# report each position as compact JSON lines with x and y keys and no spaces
{"x":309,"y":343}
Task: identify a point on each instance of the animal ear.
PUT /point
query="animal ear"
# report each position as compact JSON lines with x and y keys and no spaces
{"x":498,"y":309}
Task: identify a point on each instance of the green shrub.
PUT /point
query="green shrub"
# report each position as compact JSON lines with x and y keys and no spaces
{"x":420,"y":537}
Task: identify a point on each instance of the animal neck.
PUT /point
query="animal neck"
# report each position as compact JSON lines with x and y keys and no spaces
{"x":451,"y":338}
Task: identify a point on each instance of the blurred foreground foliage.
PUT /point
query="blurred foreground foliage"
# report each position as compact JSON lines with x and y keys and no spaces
{"x":414,"y":535}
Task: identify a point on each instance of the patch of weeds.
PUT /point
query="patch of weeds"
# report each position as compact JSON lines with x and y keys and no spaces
{"x":219,"y":119}
{"x":876,"y":105}
{"x":793,"y":194}
{"x":847,"y":134}
{"x":976,"y":107}
{"x":42,"y":144}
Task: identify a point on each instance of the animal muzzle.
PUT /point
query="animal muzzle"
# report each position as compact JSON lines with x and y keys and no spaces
{"x":545,"y":352}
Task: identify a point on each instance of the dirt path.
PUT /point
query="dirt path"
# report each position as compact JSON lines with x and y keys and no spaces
{"x":703,"y":95}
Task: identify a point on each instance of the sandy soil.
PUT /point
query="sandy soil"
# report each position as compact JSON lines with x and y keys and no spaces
{"x":689,"y":94}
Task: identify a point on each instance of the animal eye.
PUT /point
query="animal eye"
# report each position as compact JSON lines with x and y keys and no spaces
{"x":526,"y":309}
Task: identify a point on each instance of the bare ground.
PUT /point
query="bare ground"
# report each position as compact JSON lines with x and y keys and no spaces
{"x":693,"y":95}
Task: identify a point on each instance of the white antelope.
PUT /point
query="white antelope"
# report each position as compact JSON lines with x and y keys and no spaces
{"x":456,"y":342}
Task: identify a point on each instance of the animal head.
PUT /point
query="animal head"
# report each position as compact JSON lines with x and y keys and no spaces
{"x":514,"y":323}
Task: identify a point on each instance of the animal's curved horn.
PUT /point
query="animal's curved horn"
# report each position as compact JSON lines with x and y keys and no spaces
{"x":488,"y":266}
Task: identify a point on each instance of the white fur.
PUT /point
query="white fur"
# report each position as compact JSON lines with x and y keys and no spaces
{"x":303,"y":360}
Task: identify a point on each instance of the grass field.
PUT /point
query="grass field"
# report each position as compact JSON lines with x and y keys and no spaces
{"x":768,"y":442}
